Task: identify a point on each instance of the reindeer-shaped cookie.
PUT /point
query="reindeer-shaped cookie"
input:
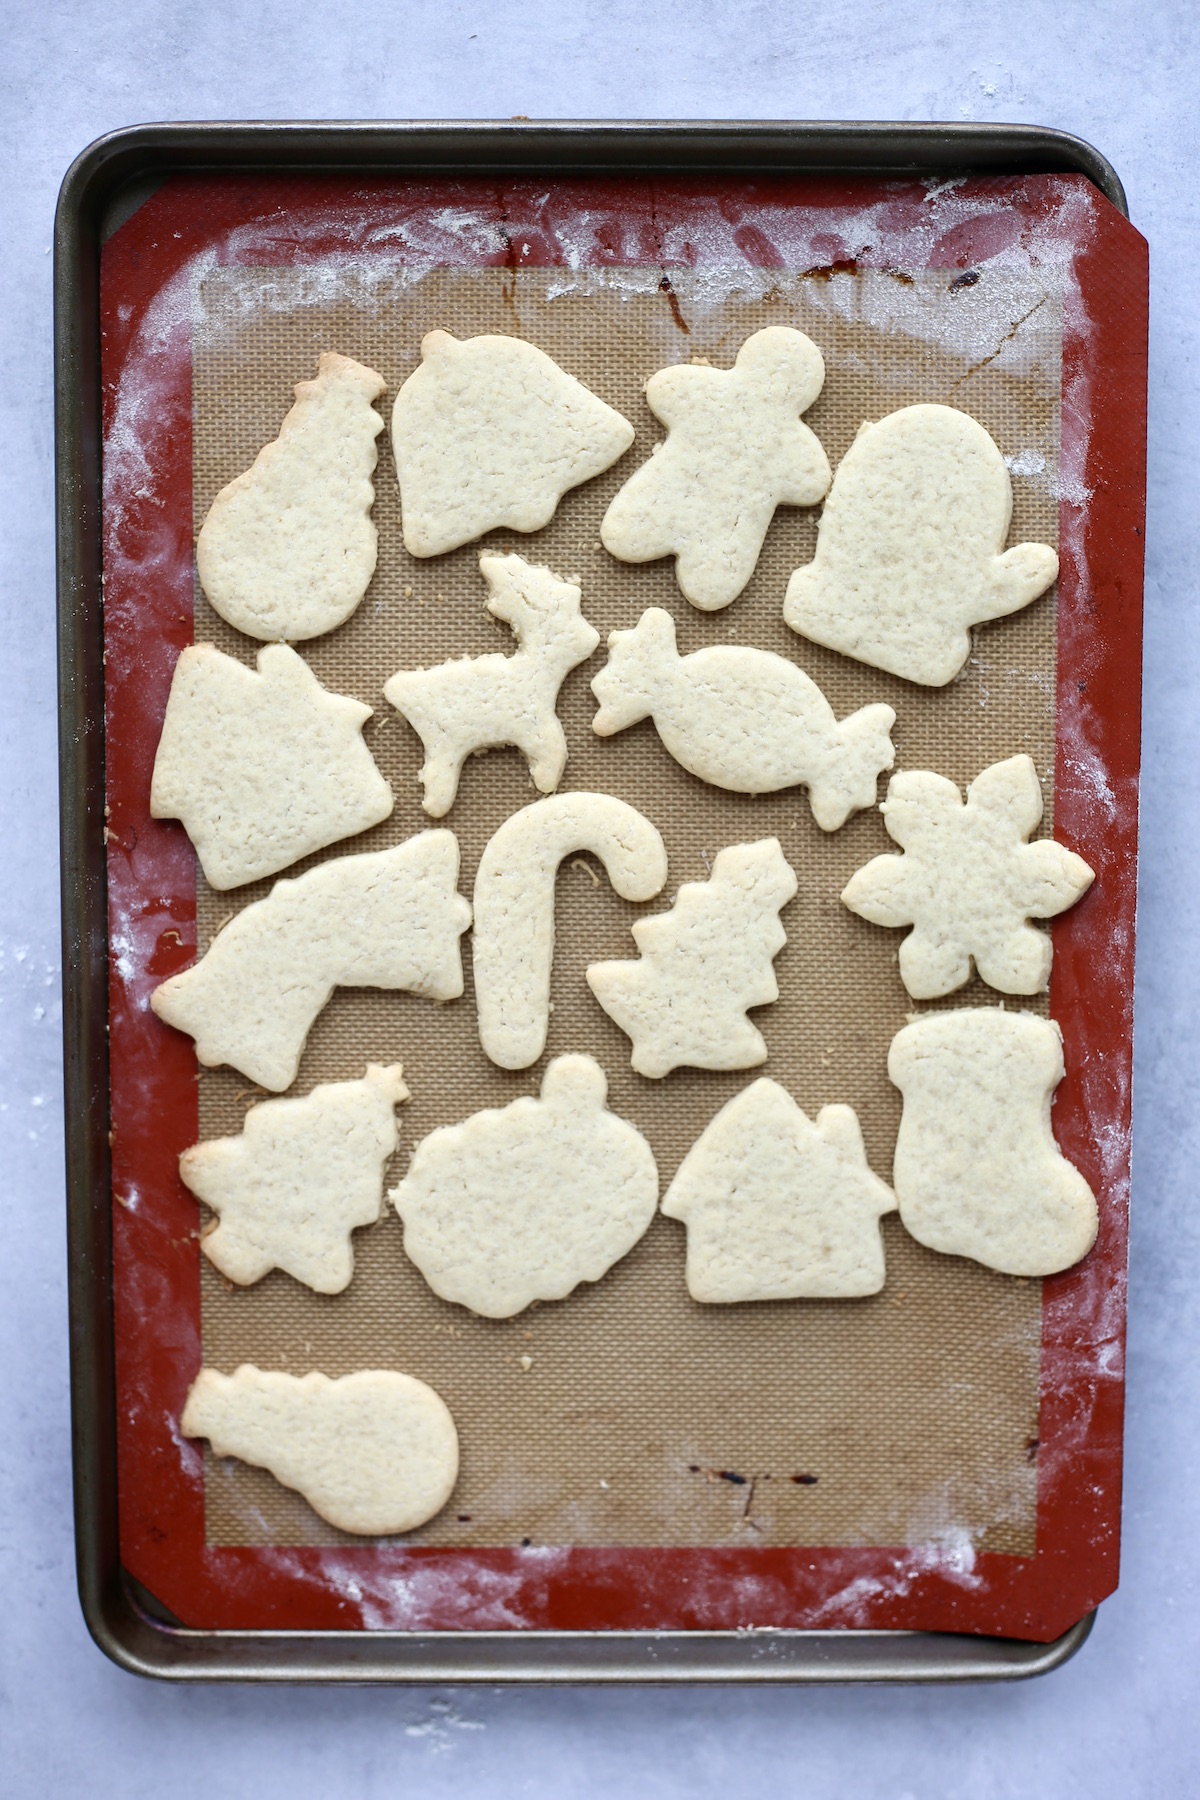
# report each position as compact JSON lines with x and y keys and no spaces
{"x":484,"y":702}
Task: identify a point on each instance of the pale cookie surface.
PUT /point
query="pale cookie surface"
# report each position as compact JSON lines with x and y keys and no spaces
{"x":375,"y":1452}
{"x":301,"y":1177}
{"x":288,"y":548}
{"x":524,"y":1202}
{"x":489,"y":431}
{"x":514,"y":907}
{"x":262,"y":768}
{"x":484,"y":702}
{"x":968,"y":883}
{"x":743,"y":719}
{"x":910,"y":548}
{"x":702,"y":965}
{"x":977,"y":1171}
{"x":736,"y":449}
{"x":777,"y":1207}
{"x":388,"y":919}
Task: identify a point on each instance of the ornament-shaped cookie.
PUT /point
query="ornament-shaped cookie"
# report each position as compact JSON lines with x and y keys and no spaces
{"x":375,"y":1452}
{"x":524,"y":1202}
{"x":968,"y":882}
{"x":489,"y":431}
{"x":702,"y":965}
{"x":910,"y":548}
{"x":778,"y":1207}
{"x":299,"y":1179}
{"x":743,"y":719}
{"x":262,"y":768}
{"x":484,"y":702}
{"x":513,"y":941}
{"x":977,"y":1171}
{"x":735,"y":450}
{"x":387,"y":919}
{"x":287,"y":549}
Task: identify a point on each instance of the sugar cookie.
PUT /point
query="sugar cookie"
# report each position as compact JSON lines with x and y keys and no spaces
{"x":735,"y":450}
{"x":387,"y":919}
{"x":702,"y":965}
{"x":301,"y":1177}
{"x":262,"y":768}
{"x":777,"y":1207}
{"x":910,"y":548}
{"x":374,"y":1453}
{"x":743,"y":719}
{"x":514,"y":907}
{"x":489,"y":431}
{"x":483,"y":702}
{"x":524,"y":1202}
{"x":977,"y":1171}
{"x":288,"y":548}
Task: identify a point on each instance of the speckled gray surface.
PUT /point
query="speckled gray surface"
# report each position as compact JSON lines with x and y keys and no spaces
{"x":1118,"y":1721}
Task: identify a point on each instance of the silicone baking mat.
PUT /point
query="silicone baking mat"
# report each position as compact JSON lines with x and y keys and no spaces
{"x":883,"y":1461}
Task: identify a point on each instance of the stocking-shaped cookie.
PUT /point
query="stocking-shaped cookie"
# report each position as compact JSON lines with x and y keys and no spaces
{"x":288,"y":548}
{"x":910,"y":548}
{"x":736,"y":449}
{"x":968,"y":883}
{"x":684,"y":1002}
{"x":523,"y":1202}
{"x":977,"y":1171}
{"x":374,"y":1452}
{"x":489,"y":431}
{"x":262,"y":767}
{"x":777,"y":1207}
{"x":299,"y":1179}
{"x":743,"y":719}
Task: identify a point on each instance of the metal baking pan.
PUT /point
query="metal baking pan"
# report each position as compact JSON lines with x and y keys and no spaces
{"x":104,"y":187}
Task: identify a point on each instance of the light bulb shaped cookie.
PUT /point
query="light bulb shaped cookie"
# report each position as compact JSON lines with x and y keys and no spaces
{"x":375,"y":1452}
{"x":287,"y":549}
{"x":910,"y":548}
{"x":736,"y":449}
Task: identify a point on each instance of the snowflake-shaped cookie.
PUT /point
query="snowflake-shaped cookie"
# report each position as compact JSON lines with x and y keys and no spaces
{"x":968,"y":882}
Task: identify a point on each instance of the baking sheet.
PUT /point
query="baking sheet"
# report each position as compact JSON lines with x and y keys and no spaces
{"x":905,"y":1558}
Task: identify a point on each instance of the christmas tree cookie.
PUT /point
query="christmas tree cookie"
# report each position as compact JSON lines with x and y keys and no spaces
{"x":483,"y":702}
{"x":777,"y":1207}
{"x":301,"y":1177}
{"x":910,"y":548}
{"x":262,"y":768}
{"x":489,"y":431}
{"x":735,"y":450}
{"x":702,"y":965}
{"x":375,"y":1452}
{"x":288,"y":548}
{"x":977,"y":1171}
{"x":525,"y":1202}
{"x":743,"y":719}
{"x":968,"y":883}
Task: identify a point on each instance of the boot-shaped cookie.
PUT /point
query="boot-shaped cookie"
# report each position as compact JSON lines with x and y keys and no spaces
{"x":736,"y":449}
{"x":977,"y":1171}
{"x":910,"y":548}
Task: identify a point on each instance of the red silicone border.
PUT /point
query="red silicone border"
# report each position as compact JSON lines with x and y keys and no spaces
{"x":148,"y":619}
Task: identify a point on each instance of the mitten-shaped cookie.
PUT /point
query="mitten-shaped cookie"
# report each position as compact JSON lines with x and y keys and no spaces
{"x":910,"y":548}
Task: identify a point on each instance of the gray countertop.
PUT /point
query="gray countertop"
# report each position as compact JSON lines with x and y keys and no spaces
{"x":1116,"y":1721}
